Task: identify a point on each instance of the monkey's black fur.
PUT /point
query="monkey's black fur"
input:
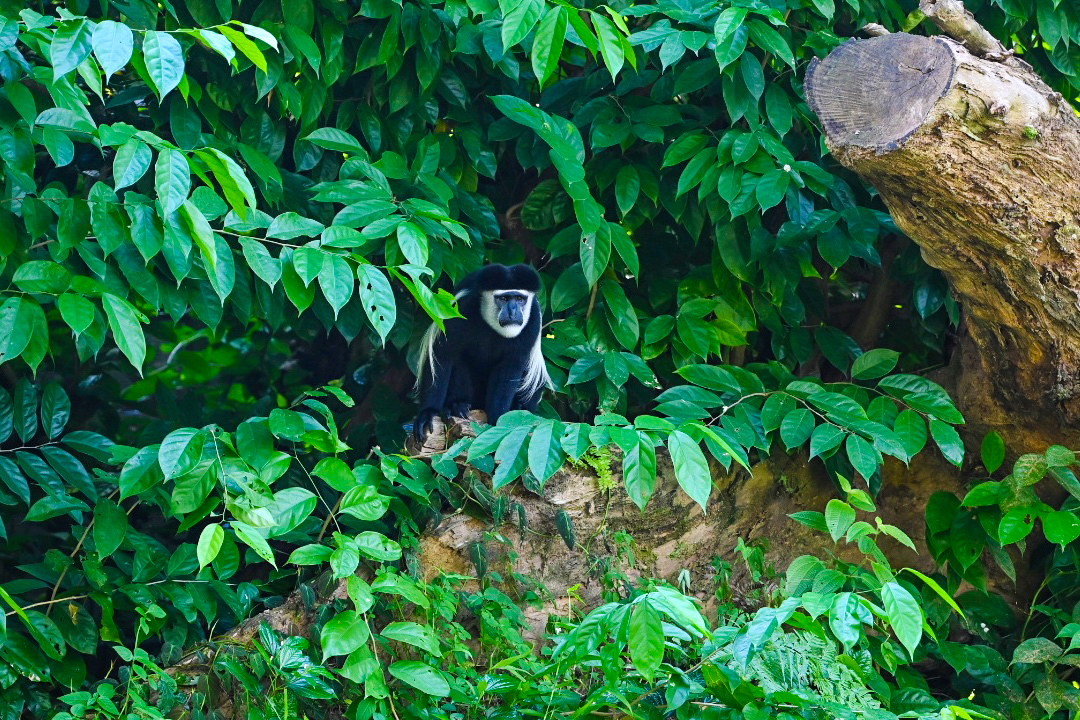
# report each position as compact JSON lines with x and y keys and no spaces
{"x":474,"y":364}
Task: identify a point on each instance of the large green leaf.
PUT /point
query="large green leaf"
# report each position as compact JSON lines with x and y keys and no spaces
{"x":70,"y":46}
{"x":164,"y":60}
{"x":421,"y":676}
{"x":126,"y":328}
{"x":691,"y":467}
{"x":113,"y":44}
{"x":344,"y":633}
{"x":378,"y":298}
{"x":172,"y":179}
{"x":904,"y":613}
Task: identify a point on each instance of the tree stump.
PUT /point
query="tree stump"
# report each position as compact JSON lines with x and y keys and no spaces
{"x":977,"y":160}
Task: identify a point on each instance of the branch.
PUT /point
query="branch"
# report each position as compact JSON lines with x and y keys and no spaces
{"x":956,"y":22}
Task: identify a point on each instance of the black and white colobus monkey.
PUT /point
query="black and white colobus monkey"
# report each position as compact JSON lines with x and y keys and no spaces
{"x":491,"y":357}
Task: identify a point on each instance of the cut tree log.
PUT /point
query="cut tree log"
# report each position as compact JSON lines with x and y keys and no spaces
{"x":977,"y":160}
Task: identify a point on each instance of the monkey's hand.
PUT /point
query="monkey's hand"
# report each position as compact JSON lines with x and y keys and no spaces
{"x":423,"y":423}
{"x":458,"y":410}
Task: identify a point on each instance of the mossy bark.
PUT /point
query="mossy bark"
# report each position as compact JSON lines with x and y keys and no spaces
{"x":977,"y":161}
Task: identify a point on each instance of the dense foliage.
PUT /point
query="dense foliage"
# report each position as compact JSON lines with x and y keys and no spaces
{"x":213,"y":211}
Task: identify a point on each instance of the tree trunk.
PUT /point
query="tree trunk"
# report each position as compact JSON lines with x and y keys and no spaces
{"x":977,"y":160}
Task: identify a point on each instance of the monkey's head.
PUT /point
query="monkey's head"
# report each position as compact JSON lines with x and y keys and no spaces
{"x":506,"y":297}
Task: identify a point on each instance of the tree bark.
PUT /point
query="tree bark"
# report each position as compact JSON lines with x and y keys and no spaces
{"x":977,"y":160}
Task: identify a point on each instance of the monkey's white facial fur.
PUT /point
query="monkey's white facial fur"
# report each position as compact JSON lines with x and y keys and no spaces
{"x":506,"y":311}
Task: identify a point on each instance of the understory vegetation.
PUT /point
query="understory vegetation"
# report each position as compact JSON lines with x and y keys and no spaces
{"x":224,"y":226}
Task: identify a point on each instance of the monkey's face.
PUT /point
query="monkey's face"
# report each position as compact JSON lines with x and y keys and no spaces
{"x":506,"y":311}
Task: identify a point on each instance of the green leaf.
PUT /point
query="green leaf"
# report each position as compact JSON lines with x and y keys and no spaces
{"x":511,"y":456}
{"x":334,"y":139}
{"x":545,"y":451}
{"x":904,"y":613}
{"x":26,"y":410}
{"x":378,"y":298}
{"x":262,"y":263}
{"x":172,"y":179}
{"x":127,"y":331}
{"x":732,"y":48}
{"x":312,"y":554}
{"x":337,"y":282}
{"x":727,"y":22}
{"x":55,"y":410}
{"x":365,"y":503}
{"x":254,"y":539}
{"x":307,"y":47}
{"x":110,"y":527}
{"x":771,"y":188}
{"x":910,"y":429}
{"x":211,"y":539}
{"x":548,"y":44}
{"x":797,"y":427}
{"x":140,"y":473}
{"x":826,"y":7}
{"x":70,"y":46}
{"x":611,"y":43}
{"x":52,"y":506}
{"x":983,"y":495}
{"x":77,"y":312}
{"x":519,"y":17}
{"x":164,"y":60}
{"x":622,"y":318}
{"x":343,"y":633}
{"x":289,"y":226}
{"x":259,"y":34}
{"x":234,"y":183}
{"x":627,"y":188}
{"x":216,"y":255}
{"x":686,"y":147}
{"x":113,"y":44}
{"x":993,"y":451}
{"x":691,"y":467}
{"x":13,"y":478}
{"x":66,"y":120}
{"x":421,"y":676}
{"x":1037,"y":650}
{"x":777,"y":406}
{"x":932,"y":584}
{"x":948,"y":440}
{"x":16,"y":325}
{"x":838,"y":518}
{"x":131,"y":162}
{"x":874,"y":364}
{"x":770,"y":40}
{"x":413,"y":243}
{"x":645,"y":639}
{"x":180,"y":451}
{"x":249,"y":49}
{"x":1061,"y":527}
{"x":595,"y":253}
{"x":7,"y":415}
{"x":42,"y":276}
{"x":377,"y":546}
{"x":863,"y":456}
{"x":639,"y":471}
{"x":414,"y":634}
{"x":1016,"y":525}
{"x":824,"y":439}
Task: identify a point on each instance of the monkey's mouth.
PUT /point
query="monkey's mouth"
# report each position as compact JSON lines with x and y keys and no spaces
{"x":503,"y":322}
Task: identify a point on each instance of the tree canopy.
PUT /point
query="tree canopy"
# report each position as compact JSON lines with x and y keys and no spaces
{"x":224,"y":227}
